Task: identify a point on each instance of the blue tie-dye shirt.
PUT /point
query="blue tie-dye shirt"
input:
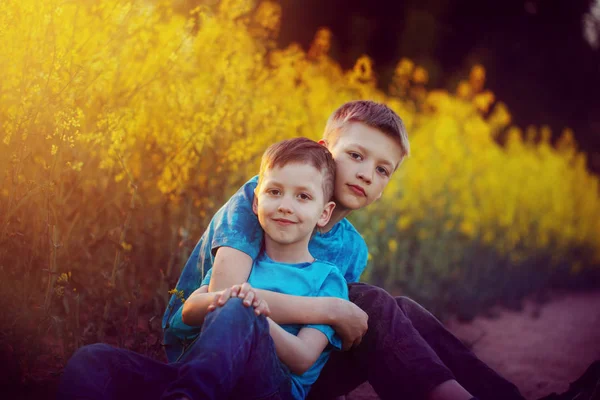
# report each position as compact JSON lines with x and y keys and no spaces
{"x":235,"y":225}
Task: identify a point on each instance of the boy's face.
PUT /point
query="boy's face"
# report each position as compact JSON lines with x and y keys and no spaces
{"x":289,"y":202}
{"x":365,"y":158}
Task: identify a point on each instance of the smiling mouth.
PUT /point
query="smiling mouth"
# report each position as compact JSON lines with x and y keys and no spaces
{"x":358,"y":190}
{"x":283,"y":222}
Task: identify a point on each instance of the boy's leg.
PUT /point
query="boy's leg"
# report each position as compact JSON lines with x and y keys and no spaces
{"x":234,"y":354}
{"x":399,"y":360}
{"x":100,"y":371}
{"x":472,"y":373}
{"x":392,"y":356}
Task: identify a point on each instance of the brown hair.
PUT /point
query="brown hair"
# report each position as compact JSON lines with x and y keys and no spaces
{"x":305,"y":151}
{"x":375,"y":115}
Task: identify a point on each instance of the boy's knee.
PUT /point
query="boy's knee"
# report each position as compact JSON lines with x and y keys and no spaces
{"x":93,"y":350}
{"x":235,"y":314}
{"x":371,"y":299}
{"x":91,"y":354}
{"x":236,"y":304}
{"x":234,"y":308}
{"x":406,"y":303}
{"x":411,"y":307}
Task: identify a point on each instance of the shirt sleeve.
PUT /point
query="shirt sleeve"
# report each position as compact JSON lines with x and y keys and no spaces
{"x":236,"y":225}
{"x":206,"y":279}
{"x":358,"y":263}
{"x":333,"y":286}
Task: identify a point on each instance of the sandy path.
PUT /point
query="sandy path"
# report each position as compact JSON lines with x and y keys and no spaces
{"x":541,"y":349}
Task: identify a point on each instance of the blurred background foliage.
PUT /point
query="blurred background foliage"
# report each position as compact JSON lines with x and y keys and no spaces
{"x":125,"y":126}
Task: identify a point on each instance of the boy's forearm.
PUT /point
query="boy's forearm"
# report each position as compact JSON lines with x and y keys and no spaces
{"x":291,"y":350}
{"x":288,"y":309}
{"x":195,"y":307}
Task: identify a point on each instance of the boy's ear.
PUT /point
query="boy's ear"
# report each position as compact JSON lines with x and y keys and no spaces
{"x":326,"y":214}
{"x":255,"y":203}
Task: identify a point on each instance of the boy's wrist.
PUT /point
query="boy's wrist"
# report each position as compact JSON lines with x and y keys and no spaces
{"x":335,"y":310}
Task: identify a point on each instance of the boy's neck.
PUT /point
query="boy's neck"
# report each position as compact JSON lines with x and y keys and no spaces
{"x":338,"y":214}
{"x":288,"y":253}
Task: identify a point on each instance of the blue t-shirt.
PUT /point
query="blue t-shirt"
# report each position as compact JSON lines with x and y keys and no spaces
{"x":318,"y":278}
{"x":235,"y":225}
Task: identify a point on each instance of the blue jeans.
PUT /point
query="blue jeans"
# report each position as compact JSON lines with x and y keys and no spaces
{"x":234,"y":357}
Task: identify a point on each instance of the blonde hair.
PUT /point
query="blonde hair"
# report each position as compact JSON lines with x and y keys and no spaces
{"x":375,"y":115}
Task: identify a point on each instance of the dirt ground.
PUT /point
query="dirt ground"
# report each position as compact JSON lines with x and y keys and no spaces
{"x":540,"y":349}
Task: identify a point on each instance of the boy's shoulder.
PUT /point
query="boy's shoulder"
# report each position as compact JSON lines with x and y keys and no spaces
{"x":324,"y":264}
{"x":250,"y":184}
{"x":327,"y":268}
{"x":346,"y":230}
{"x":347,"y":225}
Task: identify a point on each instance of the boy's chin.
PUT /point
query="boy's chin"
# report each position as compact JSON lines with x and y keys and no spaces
{"x":350,"y":203}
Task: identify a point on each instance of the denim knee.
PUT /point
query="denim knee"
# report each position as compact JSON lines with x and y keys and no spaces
{"x":233,"y":306}
{"x":235,"y":309}
{"x":91,"y":354}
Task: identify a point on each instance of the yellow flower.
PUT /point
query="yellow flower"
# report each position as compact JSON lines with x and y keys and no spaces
{"x":403,"y":222}
{"x":178,"y":294}
{"x":464,"y":90}
{"x":405,"y":67}
{"x":420,"y":75}
{"x":392,"y":245}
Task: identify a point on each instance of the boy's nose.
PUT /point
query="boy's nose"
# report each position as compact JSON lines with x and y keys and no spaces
{"x":284,"y":207}
{"x":365,"y":176}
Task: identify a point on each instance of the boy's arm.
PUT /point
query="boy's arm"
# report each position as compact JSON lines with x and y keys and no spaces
{"x":300,"y":352}
{"x":233,"y":266}
{"x":347,"y":319}
{"x":195,"y":307}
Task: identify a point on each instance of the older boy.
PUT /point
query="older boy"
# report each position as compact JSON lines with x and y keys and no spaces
{"x":406,"y":352}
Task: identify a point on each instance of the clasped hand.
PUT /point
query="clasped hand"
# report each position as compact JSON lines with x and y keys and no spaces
{"x":245,"y":291}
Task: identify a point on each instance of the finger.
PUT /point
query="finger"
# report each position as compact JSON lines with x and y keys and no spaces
{"x":257,"y":308}
{"x":261,"y":308}
{"x":215,"y":300}
{"x":235,"y":290}
{"x":224,"y":297}
{"x":245,"y":288}
{"x":249,"y":298}
{"x":265,"y":310}
{"x":211,"y":307}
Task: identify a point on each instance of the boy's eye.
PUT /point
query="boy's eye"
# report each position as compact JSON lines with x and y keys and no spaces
{"x":304,"y":196}
{"x":355,"y":155}
{"x":383,"y":171}
{"x":274,"y":192}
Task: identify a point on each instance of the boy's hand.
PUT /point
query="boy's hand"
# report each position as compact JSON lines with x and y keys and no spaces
{"x":244,"y":291}
{"x":351,"y":324}
{"x":252,"y":298}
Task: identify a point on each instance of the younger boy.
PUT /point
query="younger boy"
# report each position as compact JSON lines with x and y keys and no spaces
{"x":291,"y":200}
{"x":240,"y":352}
